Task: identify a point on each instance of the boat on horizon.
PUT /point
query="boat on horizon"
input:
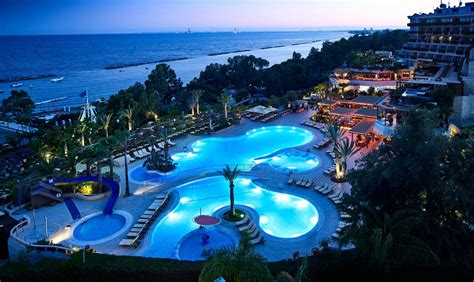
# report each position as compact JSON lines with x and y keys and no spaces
{"x":15,"y":85}
{"x":58,"y":79}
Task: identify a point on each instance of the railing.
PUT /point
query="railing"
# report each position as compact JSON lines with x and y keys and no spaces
{"x":167,"y":181}
{"x":37,"y":247}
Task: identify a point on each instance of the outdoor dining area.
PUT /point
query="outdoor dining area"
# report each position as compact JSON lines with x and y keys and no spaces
{"x":264,"y":114}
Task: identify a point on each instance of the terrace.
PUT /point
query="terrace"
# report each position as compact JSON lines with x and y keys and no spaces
{"x":286,"y":149}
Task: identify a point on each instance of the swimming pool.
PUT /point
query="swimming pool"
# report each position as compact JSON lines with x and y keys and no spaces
{"x":243,"y":149}
{"x":194,"y":247}
{"x":99,"y":227}
{"x":293,"y":161}
{"x":280,"y":215}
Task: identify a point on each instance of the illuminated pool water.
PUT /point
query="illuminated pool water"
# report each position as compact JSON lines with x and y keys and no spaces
{"x":291,"y":161}
{"x":280,"y":215}
{"x":194,"y":248}
{"x":99,"y":227}
{"x":242,"y":149}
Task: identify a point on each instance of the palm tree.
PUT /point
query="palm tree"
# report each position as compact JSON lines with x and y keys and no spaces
{"x":105,"y":124}
{"x":192,"y":105}
{"x":123,"y":137}
{"x":389,"y":239}
{"x":110,"y":144}
{"x":321,"y":89}
{"x":231,"y":175}
{"x":345,"y":149}
{"x":334,"y":132}
{"x":236,"y":265}
{"x":128,"y":113}
{"x":197,"y":95}
{"x":225,"y":99}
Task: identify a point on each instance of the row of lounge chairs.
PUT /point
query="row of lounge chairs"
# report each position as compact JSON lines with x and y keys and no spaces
{"x":141,"y":153}
{"x":301,"y":182}
{"x":330,"y":170}
{"x":246,"y":225}
{"x":316,"y":125}
{"x":323,"y":143}
{"x":138,"y":231}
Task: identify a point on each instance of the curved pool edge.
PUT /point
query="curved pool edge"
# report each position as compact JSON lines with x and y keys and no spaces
{"x":76,"y":242}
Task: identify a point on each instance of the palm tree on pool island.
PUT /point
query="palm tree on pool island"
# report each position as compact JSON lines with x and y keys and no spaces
{"x":231,"y":175}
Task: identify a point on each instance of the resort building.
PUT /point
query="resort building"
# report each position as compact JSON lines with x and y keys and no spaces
{"x":363,"y":79}
{"x":366,"y":117}
{"x":439,"y":50}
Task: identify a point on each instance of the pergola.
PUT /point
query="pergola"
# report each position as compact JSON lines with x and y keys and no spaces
{"x":261,"y":110}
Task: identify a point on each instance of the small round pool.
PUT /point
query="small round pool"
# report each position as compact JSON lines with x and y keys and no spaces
{"x":201,"y":242}
{"x":291,"y":161}
{"x":99,"y":227}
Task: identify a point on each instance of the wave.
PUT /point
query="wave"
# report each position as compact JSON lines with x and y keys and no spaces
{"x":228,"y":52}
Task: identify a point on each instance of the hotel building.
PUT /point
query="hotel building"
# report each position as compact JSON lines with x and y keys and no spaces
{"x":439,"y":50}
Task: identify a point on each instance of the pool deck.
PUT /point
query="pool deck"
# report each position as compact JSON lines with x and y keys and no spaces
{"x":274,"y":249}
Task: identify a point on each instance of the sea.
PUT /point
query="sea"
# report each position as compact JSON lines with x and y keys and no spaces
{"x":105,"y":64}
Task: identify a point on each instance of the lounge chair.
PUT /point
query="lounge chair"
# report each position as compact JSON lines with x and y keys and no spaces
{"x":146,"y":216}
{"x":133,"y":234}
{"x":253,"y":233}
{"x":138,"y":230}
{"x":257,"y":240}
{"x":246,"y":227}
{"x":139,"y":225}
{"x":149,"y":212}
{"x":309,"y":184}
{"x":290,"y":181}
{"x":129,"y":242}
{"x":299,"y":182}
{"x":143,"y":220}
{"x":243,"y":221}
{"x":303,"y":184}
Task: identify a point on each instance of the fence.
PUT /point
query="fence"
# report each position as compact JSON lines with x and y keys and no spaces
{"x":23,"y":224}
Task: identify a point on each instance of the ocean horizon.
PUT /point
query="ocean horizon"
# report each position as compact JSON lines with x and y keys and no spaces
{"x":105,"y":64}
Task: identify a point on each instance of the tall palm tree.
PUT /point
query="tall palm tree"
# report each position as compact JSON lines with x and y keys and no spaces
{"x":105,"y":124}
{"x":122,"y":138}
{"x":110,"y":144}
{"x":334,"y":133}
{"x":345,"y":149}
{"x":197,"y":95}
{"x":321,"y":89}
{"x":128,"y":113}
{"x":192,"y":105}
{"x":225,"y":99}
{"x":236,"y":265}
{"x":231,"y":175}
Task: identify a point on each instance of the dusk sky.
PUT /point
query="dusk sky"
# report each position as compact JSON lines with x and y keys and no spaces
{"x":116,"y":16}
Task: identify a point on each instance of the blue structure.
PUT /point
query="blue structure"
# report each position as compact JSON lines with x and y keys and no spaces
{"x":111,"y":184}
{"x":73,"y":210}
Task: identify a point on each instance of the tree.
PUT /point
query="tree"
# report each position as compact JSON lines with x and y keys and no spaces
{"x":18,"y":103}
{"x":128,"y":114}
{"x":122,"y":138}
{"x":163,"y":83}
{"x":196,"y":96}
{"x":236,"y":265}
{"x":225,"y":99}
{"x":335,"y":133}
{"x":389,"y":240}
{"x":105,"y":124}
{"x":231,"y":175}
{"x":110,"y":144}
{"x":345,"y":149}
{"x":444,"y":99}
{"x":424,"y":171}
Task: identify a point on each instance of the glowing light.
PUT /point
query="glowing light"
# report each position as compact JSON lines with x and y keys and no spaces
{"x":302,"y":204}
{"x":311,"y":162}
{"x":197,"y":149}
{"x":295,"y":235}
{"x":245,"y":181}
{"x":176,"y":157}
{"x":190,"y":155}
{"x":281,"y":198}
{"x":263,"y":219}
{"x":292,"y":167}
{"x":173,"y":216}
{"x":257,"y":190}
{"x":314,"y":220}
{"x":199,"y":143}
{"x":276,"y":158}
{"x":184,"y":200}
{"x":279,"y":126}
{"x":258,"y":161}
